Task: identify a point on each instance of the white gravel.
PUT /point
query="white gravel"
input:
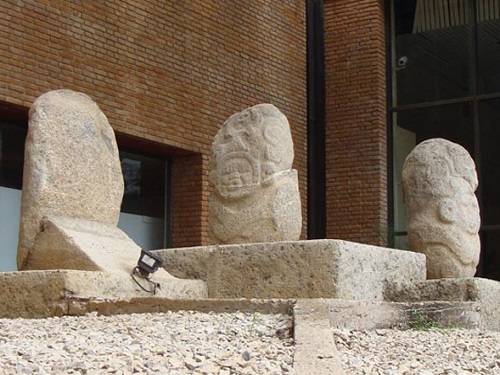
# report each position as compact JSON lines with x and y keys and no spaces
{"x":436,"y":351}
{"x":169,"y":343}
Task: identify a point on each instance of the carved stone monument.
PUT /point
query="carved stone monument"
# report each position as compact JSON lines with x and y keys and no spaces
{"x":72,"y":192}
{"x":71,"y":167}
{"x":439,"y":181}
{"x":255,"y":196}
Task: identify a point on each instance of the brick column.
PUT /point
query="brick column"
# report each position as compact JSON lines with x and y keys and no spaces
{"x":188,"y":200}
{"x":356,"y":129}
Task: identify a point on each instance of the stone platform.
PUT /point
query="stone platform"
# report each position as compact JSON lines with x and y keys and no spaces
{"x":36,"y":294}
{"x":296,"y":269}
{"x":483,"y":292}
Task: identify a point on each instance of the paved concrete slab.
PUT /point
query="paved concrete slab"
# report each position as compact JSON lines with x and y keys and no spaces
{"x":315,"y":351}
{"x":296,"y":269}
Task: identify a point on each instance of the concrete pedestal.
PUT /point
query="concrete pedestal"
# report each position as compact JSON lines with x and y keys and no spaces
{"x":296,"y":269}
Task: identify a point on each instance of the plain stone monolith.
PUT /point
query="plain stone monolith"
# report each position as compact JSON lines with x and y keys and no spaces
{"x":439,"y":181}
{"x":255,"y":195}
{"x":71,"y":168}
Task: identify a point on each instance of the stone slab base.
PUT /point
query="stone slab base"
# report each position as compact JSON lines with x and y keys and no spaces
{"x":483,"y":292}
{"x":296,"y":269}
{"x":34,"y":294}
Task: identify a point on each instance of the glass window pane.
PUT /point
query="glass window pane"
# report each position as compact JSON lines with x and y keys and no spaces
{"x":143,"y":207}
{"x":432,"y":50}
{"x":11,"y":177}
{"x":144,"y":179}
{"x":489,"y":123}
{"x":453,"y":122}
{"x":488,"y":29}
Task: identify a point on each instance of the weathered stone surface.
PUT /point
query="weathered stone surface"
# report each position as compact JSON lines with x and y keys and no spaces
{"x":71,"y":166}
{"x":65,"y":243}
{"x":187,"y":262}
{"x":36,"y":294}
{"x":256,"y":196}
{"x":298,"y":269}
{"x":482,"y":291}
{"x":439,"y":180}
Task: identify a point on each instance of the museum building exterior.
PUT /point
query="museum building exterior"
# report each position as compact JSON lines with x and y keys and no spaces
{"x":361,"y":83}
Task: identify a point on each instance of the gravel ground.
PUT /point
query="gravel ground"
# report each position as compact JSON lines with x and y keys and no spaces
{"x":436,"y":351}
{"x":169,"y":343}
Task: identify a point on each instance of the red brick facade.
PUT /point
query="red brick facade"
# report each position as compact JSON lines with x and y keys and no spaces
{"x":168,"y":72}
{"x":356,"y":130}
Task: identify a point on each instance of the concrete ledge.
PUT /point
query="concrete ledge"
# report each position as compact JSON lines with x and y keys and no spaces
{"x":296,"y":269}
{"x":82,"y":306}
{"x":366,"y":315}
{"x":484,"y":292}
{"x":36,"y":294}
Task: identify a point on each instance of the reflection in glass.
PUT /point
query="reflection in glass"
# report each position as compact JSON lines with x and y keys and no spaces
{"x":131,"y":170}
{"x":488,"y":39}
{"x":432,"y":51}
{"x":144,"y":179}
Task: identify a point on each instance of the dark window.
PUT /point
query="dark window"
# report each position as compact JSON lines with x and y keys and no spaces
{"x":432,"y":51}
{"x":11,"y":155}
{"x":144,"y":179}
{"x":452,"y":121}
{"x":445,"y":75}
{"x":144,"y":200}
{"x":489,"y":122}
{"x":488,"y":45}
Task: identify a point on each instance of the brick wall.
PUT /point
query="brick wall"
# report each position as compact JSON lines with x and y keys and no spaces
{"x":190,"y":186}
{"x":164,"y":71}
{"x":356,"y":140}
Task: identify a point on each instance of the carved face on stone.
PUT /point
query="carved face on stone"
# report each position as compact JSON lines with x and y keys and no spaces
{"x":439,"y":181}
{"x":251,"y":147}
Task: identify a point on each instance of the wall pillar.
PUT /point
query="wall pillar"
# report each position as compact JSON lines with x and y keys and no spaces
{"x":356,"y":121}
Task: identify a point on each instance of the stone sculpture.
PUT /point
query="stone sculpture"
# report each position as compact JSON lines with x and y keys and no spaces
{"x":439,"y":181}
{"x":73,"y":188}
{"x":255,"y":195}
{"x":71,"y":167}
